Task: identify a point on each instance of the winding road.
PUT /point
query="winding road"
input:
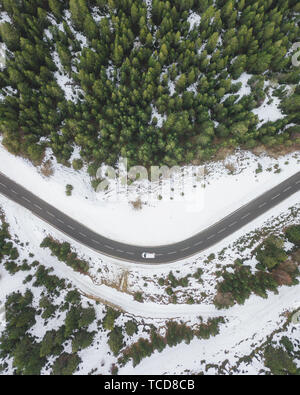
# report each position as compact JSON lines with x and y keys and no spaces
{"x":163,"y":254}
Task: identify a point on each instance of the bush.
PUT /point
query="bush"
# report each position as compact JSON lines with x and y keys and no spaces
{"x":115,"y":340}
{"x":69,"y":189}
{"x":64,"y":254}
{"x":238,"y":286}
{"x":77,"y":164}
{"x":138,"y":297}
{"x":131,"y":328}
{"x":109,"y":319}
{"x":293,"y":234}
{"x":279,"y":362}
{"x":82,"y":340}
{"x":271,"y":253}
{"x":66,"y":364}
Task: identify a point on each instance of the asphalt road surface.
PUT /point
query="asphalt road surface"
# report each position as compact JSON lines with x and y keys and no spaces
{"x":163,"y":254}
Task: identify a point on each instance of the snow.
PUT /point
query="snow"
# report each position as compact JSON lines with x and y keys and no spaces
{"x":193,"y":88}
{"x":245,"y":325}
{"x":257,"y":366}
{"x":64,"y":81}
{"x":249,"y":324}
{"x":79,"y":36}
{"x":149,"y":8}
{"x":194,"y":20}
{"x":97,"y":355}
{"x":269,"y":112}
{"x":160,"y":118}
{"x":4,"y":17}
{"x":48,"y":34}
{"x":96,"y":15}
{"x":3,"y":51}
{"x":172,"y":88}
{"x":159,"y":222}
{"x":245,"y":88}
{"x":31,"y":231}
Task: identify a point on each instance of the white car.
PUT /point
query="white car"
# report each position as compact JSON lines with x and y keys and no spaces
{"x":148,"y":255}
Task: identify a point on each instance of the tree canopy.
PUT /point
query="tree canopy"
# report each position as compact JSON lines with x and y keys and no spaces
{"x":143,"y":80}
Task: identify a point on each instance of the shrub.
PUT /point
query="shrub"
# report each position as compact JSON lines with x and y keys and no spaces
{"x":131,"y":328}
{"x":109,"y":319}
{"x":69,"y":190}
{"x":77,"y":164}
{"x":66,"y":364}
{"x":115,"y":340}
{"x":271,"y":253}
{"x":279,"y":362}
{"x":293,"y":234}
{"x":138,"y":297}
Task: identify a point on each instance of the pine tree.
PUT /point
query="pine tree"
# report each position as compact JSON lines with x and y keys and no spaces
{"x":212,"y":42}
{"x":10,"y":36}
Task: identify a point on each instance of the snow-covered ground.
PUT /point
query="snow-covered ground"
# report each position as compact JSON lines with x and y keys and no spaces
{"x":31,"y":231}
{"x":248,"y":325}
{"x":269,"y":110}
{"x":245,"y":325}
{"x":4,"y":17}
{"x":228,"y":185}
{"x":194,"y":20}
{"x":159,"y":222}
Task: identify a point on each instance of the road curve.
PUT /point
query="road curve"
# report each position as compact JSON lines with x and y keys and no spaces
{"x":163,"y":254}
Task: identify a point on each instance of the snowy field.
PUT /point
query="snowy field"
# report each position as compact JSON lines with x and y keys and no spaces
{"x":159,"y":222}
